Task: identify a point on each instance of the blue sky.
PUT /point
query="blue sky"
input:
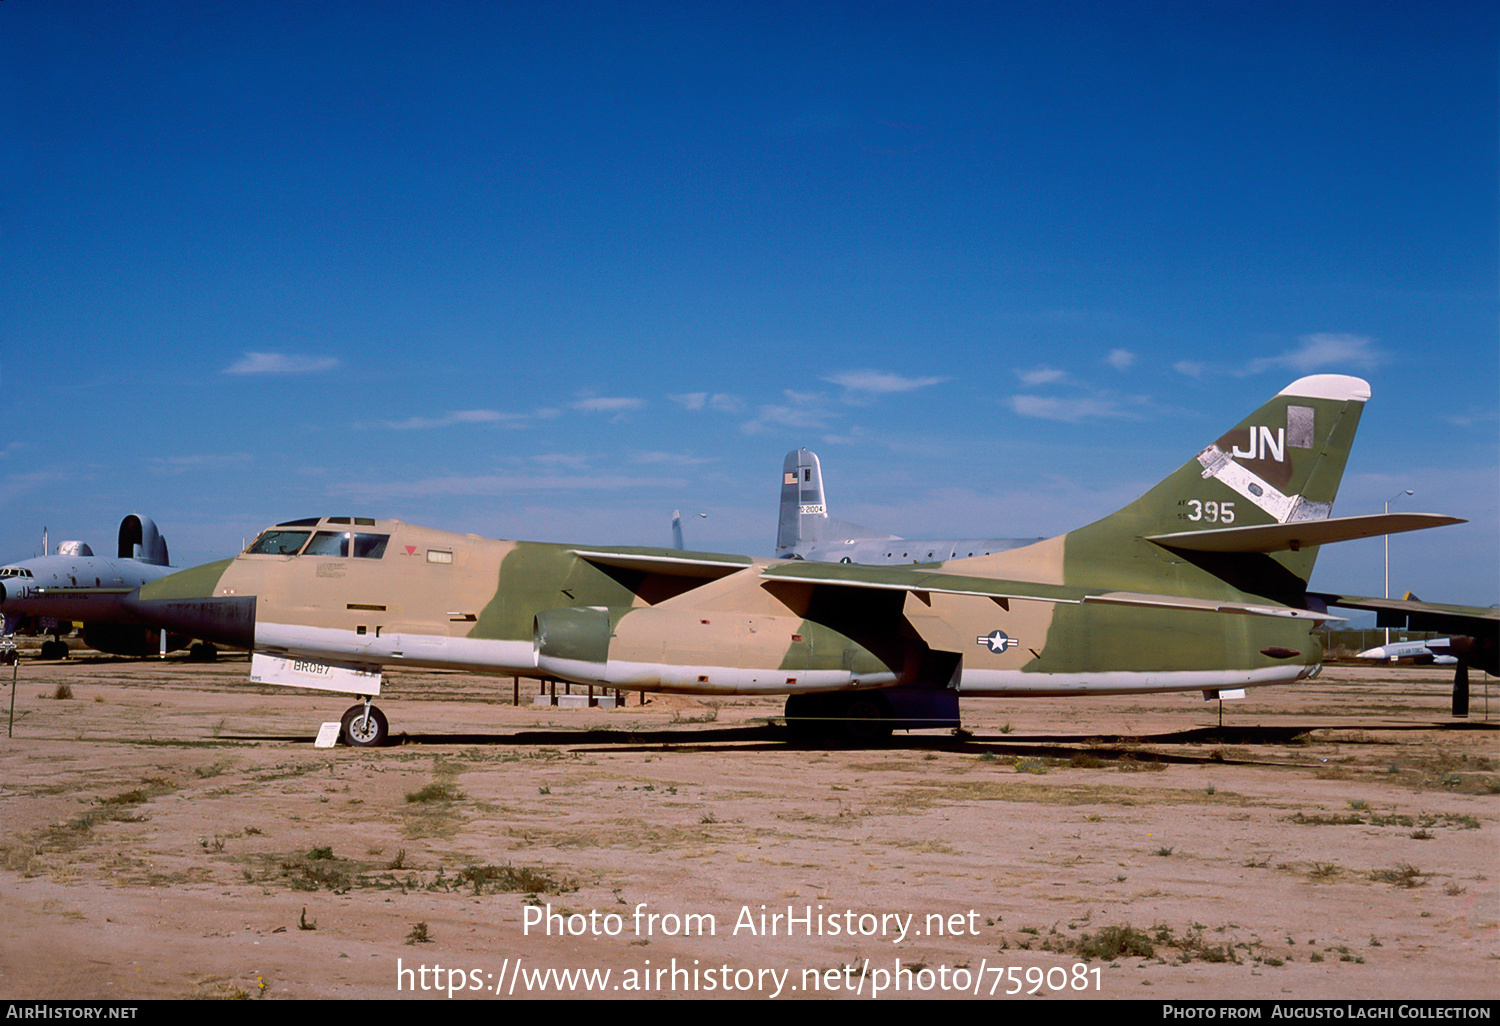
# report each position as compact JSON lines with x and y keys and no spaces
{"x":551,"y":270}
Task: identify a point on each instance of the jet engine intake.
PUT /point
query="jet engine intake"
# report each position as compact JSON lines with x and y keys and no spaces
{"x":573,"y":643}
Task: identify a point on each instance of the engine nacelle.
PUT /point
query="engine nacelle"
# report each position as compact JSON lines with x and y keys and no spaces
{"x":701,"y":652}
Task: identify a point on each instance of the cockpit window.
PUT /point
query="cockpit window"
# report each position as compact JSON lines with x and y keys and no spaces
{"x":370,"y":546}
{"x":343,"y":544}
{"x":15,"y":571}
{"x":329,"y":543}
{"x":278,"y":543}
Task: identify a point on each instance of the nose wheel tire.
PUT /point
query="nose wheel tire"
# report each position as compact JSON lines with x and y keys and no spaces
{"x":364,"y":727}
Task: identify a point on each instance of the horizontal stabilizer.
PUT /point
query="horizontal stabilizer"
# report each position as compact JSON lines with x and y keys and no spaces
{"x":1300,"y":534}
{"x":1418,"y":616}
{"x":1477,"y":626}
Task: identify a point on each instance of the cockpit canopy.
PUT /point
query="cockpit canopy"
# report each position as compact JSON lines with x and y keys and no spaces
{"x":337,"y":540}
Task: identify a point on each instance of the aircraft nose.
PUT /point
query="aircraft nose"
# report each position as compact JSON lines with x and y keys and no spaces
{"x":185,"y":603}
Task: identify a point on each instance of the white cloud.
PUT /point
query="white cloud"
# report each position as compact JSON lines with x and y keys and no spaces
{"x":1324,"y":350}
{"x":856,"y":435}
{"x":1190,"y":369}
{"x":879,"y":382}
{"x":563,"y":459}
{"x":1072,"y":410}
{"x":1481,"y":418}
{"x":675,"y":459}
{"x":1043,"y":376}
{"x":166,"y":465}
{"x":281,"y":363}
{"x":720,"y":401}
{"x":606,"y":404}
{"x":805,"y":410}
{"x":455,"y":417}
{"x":1121,"y":359}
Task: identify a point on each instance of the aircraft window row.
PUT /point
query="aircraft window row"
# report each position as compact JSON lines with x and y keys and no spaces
{"x":951,"y":555}
{"x":15,"y":571}
{"x":314,"y":521}
{"x":346,"y":544}
{"x":340,"y":544}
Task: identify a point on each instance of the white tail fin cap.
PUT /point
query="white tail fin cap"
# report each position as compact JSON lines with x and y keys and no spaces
{"x":1340,"y":387}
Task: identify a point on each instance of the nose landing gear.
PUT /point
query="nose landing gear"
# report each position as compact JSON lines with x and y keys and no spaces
{"x":364,"y":726}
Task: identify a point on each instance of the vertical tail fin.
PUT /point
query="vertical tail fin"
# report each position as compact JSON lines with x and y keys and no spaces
{"x":139,"y":539}
{"x":802,"y":505}
{"x":1282,"y":464}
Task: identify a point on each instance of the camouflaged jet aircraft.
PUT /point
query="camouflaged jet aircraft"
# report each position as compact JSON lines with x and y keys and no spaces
{"x":1199,"y":585}
{"x":806,"y":531}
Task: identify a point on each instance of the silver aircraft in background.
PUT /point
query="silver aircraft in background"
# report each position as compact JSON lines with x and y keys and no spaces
{"x":806,"y":531}
{"x":47,"y":594}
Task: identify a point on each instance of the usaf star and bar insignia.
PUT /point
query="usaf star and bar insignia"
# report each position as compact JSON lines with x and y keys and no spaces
{"x":998,"y":641}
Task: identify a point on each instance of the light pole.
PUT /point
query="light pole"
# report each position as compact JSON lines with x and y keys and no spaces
{"x":1388,"y":502}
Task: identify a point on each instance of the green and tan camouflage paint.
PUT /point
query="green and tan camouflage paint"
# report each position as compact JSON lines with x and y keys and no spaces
{"x":1102,"y":600}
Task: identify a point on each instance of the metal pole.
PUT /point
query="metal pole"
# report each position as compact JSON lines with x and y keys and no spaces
{"x":1388,"y":502}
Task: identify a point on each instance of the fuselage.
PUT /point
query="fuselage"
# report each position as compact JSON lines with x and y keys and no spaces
{"x":901,"y":551}
{"x":366,"y":593}
{"x":85,"y":588}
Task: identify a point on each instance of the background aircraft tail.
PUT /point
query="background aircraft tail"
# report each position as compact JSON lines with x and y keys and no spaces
{"x":1243,"y":508}
{"x":139,"y":539}
{"x":804,"y":511}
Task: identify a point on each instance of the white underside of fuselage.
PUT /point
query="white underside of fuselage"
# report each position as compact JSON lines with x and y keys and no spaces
{"x":519,"y":658}
{"x":711,"y":680}
{"x":1018,"y":684}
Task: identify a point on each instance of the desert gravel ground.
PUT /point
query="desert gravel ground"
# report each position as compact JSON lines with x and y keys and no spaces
{"x":170,"y":831}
